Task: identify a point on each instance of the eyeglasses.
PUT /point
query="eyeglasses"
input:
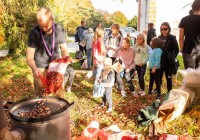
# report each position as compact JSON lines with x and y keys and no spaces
{"x":164,"y":29}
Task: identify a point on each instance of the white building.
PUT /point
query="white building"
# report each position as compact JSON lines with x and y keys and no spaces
{"x":158,"y":11}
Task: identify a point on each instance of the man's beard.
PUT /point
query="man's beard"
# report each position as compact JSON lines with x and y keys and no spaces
{"x":48,"y":30}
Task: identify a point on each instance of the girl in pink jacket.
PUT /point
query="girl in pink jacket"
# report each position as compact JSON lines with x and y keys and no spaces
{"x":126,"y":55}
{"x":98,"y":53}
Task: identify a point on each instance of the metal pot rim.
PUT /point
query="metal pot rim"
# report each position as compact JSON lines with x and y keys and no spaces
{"x":53,"y":115}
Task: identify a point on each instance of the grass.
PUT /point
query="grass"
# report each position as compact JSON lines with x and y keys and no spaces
{"x":16,"y":83}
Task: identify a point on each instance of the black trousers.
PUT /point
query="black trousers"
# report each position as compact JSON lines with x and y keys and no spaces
{"x":83,"y":50}
{"x":155,"y":77}
{"x":141,"y":72}
{"x":168,"y":77}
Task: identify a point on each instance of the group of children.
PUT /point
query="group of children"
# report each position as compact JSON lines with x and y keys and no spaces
{"x":117,"y":49}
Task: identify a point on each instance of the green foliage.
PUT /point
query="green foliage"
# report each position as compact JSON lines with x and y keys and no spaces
{"x":180,"y":58}
{"x":133,"y":22}
{"x":2,"y":11}
{"x":120,"y":18}
{"x":70,"y":12}
{"x":16,"y":22}
{"x":99,"y":16}
{"x":14,"y":41}
{"x":75,"y":65}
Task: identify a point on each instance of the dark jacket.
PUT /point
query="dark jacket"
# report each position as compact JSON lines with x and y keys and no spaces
{"x":170,"y":48}
{"x":79,"y":32}
{"x":151,"y":34}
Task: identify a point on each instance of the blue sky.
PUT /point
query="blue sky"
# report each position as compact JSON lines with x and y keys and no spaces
{"x":129,"y":7}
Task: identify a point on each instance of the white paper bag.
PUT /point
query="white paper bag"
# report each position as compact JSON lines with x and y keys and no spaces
{"x":89,"y":74}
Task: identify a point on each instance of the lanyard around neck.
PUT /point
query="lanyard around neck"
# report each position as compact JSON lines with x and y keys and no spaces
{"x":53,"y":40}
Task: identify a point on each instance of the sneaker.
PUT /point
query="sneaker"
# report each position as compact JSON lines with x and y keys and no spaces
{"x":142,"y":93}
{"x":139,"y":92}
{"x":150,"y":92}
{"x":123,"y":93}
{"x":109,"y":110}
{"x":89,"y":75}
{"x":155,"y":91}
{"x":158,"y":96}
{"x":68,"y":89}
{"x":135,"y":94}
{"x":116,"y":86}
{"x":101,"y":106}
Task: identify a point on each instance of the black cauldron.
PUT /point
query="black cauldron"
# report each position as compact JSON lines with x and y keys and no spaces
{"x":54,"y":126}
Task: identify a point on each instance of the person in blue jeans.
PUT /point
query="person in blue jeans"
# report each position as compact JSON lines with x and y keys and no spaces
{"x":155,"y":63}
{"x":88,"y":37}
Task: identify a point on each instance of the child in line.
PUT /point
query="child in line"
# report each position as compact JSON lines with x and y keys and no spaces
{"x":126,"y":55}
{"x":113,"y":42}
{"x":141,"y":58}
{"x":98,"y":53}
{"x":107,"y":79}
{"x":154,"y":63}
{"x":129,"y":36}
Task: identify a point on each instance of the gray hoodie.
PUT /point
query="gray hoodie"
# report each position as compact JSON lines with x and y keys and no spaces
{"x":88,"y":37}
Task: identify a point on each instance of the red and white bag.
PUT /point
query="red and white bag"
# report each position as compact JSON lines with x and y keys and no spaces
{"x":113,"y":132}
{"x":90,"y":132}
{"x":55,"y":74}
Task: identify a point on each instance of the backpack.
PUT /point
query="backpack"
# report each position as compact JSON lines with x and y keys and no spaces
{"x":79,"y":55}
{"x":76,"y":35}
{"x":77,"y":39}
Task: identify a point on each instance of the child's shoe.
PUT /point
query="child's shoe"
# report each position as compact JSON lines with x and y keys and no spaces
{"x":101,"y":106}
{"x":123,"y":93}
{"x":142,"y":93}
{"x":155,"y":91}
{"x":68,"y":89}
{"x":150,"y":92}
{"x":158,"y":96}
{"x":135,"y":94}
{"x":116,"y":86}
{"x":109,"y":110}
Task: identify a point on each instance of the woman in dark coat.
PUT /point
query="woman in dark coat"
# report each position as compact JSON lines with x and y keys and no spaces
{"x":170,"y":52}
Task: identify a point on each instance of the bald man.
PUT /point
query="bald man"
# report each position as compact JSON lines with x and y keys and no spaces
{"x":46,"y":42}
